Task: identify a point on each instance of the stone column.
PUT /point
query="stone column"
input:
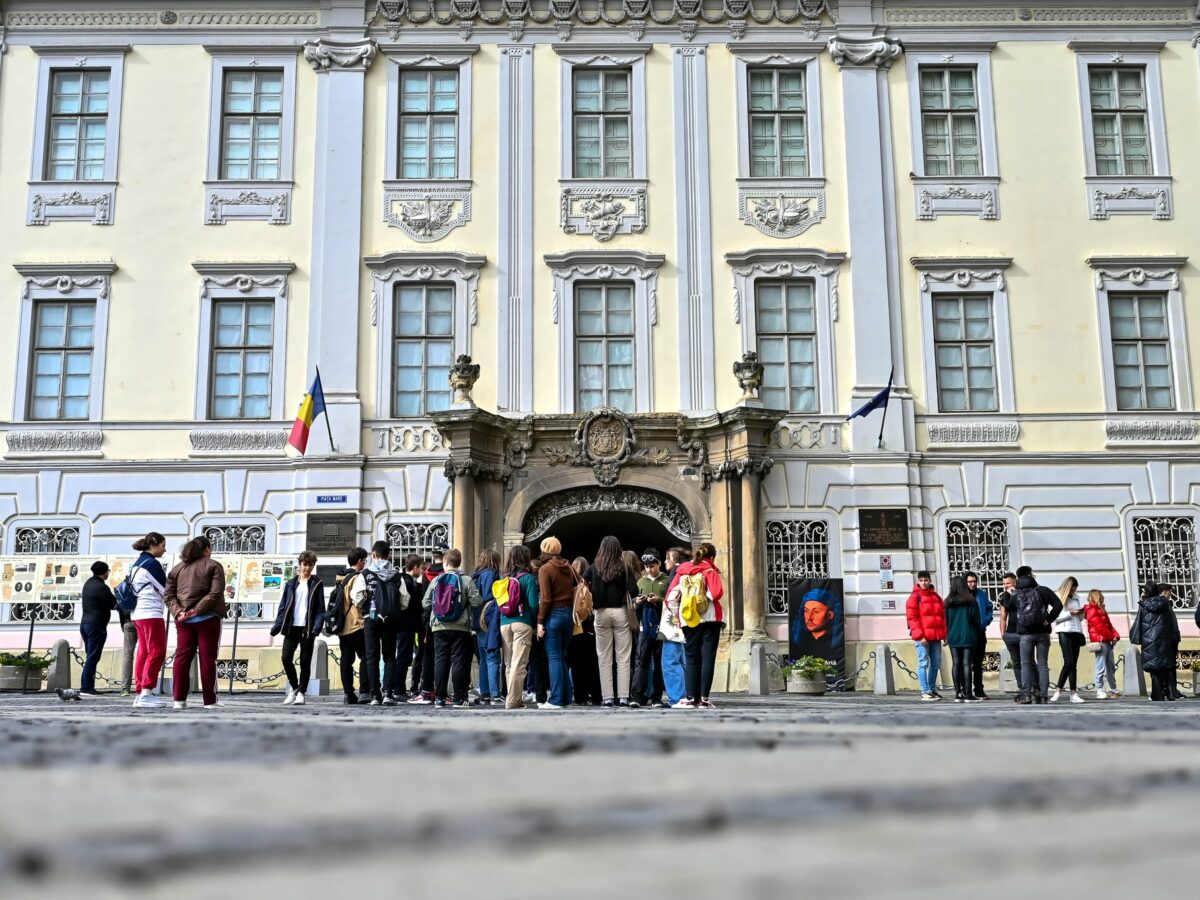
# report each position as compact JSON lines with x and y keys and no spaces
{"x":465,"y":513}
{"x":754,"y":559}
{"x":336,"y":256}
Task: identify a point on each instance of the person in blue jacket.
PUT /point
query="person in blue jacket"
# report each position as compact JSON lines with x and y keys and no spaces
{"x":985,"y":619}
{"x":487,"y":570}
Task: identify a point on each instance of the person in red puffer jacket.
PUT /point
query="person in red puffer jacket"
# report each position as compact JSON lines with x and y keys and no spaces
{"x":702,"y":638}
{"x":926,"y":614}
{"x":1101,"y":632}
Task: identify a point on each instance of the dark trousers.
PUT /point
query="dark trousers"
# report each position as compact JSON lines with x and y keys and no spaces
{"x":648,"y":656}
{"x":700,"y":658}
{"x":960,"y":658}
{"x":293,"y":640}
{"x":452,"y":663}
{"x":203,"y":637}
{"x":537,"y":678}
{"x":422,"y":675}
{"x":1013,"y":643}
{"x":1035,"y":665}
{"x":380,"y":637}
{"x":1162,"y":684}
{"x":1070,"y":643}
{"x":585,"y":672}
{"x":94,"y":637}
{"x":353,"y":645}
{"x":406,"y":637}
{"x":977,"y":662}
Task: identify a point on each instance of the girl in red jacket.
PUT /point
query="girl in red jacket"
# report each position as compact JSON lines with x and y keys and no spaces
{"x":1101,"y":632}
{"x":700,"y":639}
{"x":927,"y":624}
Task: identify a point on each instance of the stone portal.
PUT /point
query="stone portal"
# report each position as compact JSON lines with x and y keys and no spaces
{"x":580,"y":517}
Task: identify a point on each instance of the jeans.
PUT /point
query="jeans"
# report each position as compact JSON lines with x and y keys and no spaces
{"x":518,"y":640}
{"x":94,"y":637}
{"x":380,"y":637}
{"x":128,"y":652}
{"x":962,"y":658}
{"x":701,"y":651}
{"x":929,"y":664}
{"x":673,"y":671}
{"x":612,"y":628}
{"x":1013,"y":642}
{"x":977,"y":662}
{"x":203,"y":637}
{"x":559,"y":626}
{"x":489,"y":667}
{"x":352,"y":645}
{"x":293,"y":639}
{"x":452,"y":663}
{"x":1106,"y":667}
{"x":1070,"y":642}
{"x":1036,"y":675}
{"x":648,"y":656}
{"x":406,"y":637}
{"x":151,"y":651}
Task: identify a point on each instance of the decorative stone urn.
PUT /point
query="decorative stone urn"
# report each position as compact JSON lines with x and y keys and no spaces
{"x":749,"y":374}
{"x":463,"y":375}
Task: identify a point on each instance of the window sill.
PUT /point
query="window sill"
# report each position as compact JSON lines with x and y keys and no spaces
{"x":937,"y":195}
{"x":781,"y":207}
{"x":254,"y":201}
{"x":982,"y":430}
{"x":1148,"y":427}
{"x":426,"y":209}
{"x":1130,"y":195}
{"x":71,"y":201}
{"x":603,"y":207}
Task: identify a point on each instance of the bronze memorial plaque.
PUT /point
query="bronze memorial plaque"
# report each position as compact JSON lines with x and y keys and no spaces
{"x":883,"y":529}
{"x":331,"y":532}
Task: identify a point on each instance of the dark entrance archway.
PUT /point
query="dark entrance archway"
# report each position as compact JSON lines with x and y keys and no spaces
{"x":581,"y":517}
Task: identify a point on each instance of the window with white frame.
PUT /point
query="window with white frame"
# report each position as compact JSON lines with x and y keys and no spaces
{"x":429,"y":123}
{"x":778,"y":122}
{"x":416,"y":537}
{"x":241,"y":359}
{"x":604,"y":346}
{"x":601,"y":126}
{"x":422,"y":349}
{"x":1164,"y":551}
{"x":965,"y":352}
{"x":796,"y":549}
{"x":61,"y":359}
{"x":1120,"y":123}
{"x":787,"y":344}
{"x":950,"y":121}
{"x":1141,"y":349}
{"x":251,"y":124}
{"x":982,"y":546}
{"x":78,"y":125}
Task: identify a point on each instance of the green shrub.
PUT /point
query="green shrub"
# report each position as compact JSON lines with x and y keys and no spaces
{"x":24,"y":661}
{"x":807,"y":667}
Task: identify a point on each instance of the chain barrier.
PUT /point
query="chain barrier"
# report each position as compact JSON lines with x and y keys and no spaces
{"x":263,"y":680}
{"x":83,"y":662}
{"x":901,"y":666}
{"x":839,"y":686}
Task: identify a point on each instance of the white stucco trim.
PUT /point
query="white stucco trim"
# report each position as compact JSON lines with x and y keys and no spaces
{"x":632,"y":267}
{"x":242,"y":281}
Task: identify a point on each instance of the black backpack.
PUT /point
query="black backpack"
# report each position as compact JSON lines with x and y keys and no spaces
{"x":390,"y":595}
{"x":1031,"y":608}
{"x":334,"y":617}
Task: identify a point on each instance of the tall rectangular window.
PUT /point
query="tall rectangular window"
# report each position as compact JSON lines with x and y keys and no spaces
{"x":61,"y":360}
{"x":1119,"y":120}
{"x":251,"y":125}
{"x":422,"y":349}
{"x":78,"y":125}
{"x":604,"y":346}
{"x":429,"y":123}
{"x":600,"y":126}
{"x":950,"y":121}
{"x":964,"y":347}
{"x":1141,"y":351}
{"x":787,"y":344}
{"x":241,"y":359}
{"x":778,"y":123}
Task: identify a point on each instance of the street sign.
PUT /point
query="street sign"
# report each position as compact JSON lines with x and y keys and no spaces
{"x":331,"y":498}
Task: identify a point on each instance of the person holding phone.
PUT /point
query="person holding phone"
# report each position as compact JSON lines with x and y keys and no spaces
{"x":652,"y":587}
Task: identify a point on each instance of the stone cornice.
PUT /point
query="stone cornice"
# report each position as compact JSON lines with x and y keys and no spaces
{"x":616,"y":258}
{"x":437,"y":259}
{"x":1116,"y":45}
{"x":793,"y":255}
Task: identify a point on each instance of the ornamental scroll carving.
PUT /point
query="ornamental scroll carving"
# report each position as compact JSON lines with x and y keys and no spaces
{"x":58,"y":441}
{"x":963,"y":278}
{"x":581,"y":501}
{"x":231,"y":440}
{"x":71,"y":205}
{"x":989,"y":433}
{"x":272,"y":208}
{"x":605,"y":442}
{"x":603,"y":211}
{"x":325,"y":56}
{"x":878,"y":52}
{"x":1151,"y":430}
{"x":426,"y":213}
{"x":782,"y":212}
{"x":65,"y":284}
{"x":1137,"y":276}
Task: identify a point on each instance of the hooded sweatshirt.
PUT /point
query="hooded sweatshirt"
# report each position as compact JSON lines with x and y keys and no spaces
{"x":556,"y":586}
{"x":926,"y":614}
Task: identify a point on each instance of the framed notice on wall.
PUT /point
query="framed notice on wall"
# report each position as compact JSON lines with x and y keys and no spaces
{"x":331,"y":533}
{"x":883,"y":529}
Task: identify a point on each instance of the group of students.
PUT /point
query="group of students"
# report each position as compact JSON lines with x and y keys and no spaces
{"x":626,"y":630}
{"x":1029,"y":614}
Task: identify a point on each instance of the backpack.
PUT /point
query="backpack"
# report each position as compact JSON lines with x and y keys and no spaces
{"x":126,"y":593}
{"x":390,"y":595}
{"x":506,"y":592}
{"x":581,"y":607}
{"x":693,"y":599}
{"x":1031,"y":608}
{"x":447,"y":598}
{"x":334,"y":619}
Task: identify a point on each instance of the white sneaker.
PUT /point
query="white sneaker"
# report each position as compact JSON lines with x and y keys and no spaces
{"x":180,"y":704}
{"x":217,"y":705}
{"x":529,"y":697}
{"x":289,"y":697}
{"x":299,"y":701}
{"x":147,"y":701}
{"x":1075,"y":698}
{"x":549,"y":705}
{"x":1100,"y":695}
{"x":685,"y":703}
{"x":1054,"y":697}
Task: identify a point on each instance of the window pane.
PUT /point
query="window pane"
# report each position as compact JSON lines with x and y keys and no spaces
{"x":770,"y":307}
{"x":587,"y":90}
{"x":414,"y":92}
{"x":762,"y":89}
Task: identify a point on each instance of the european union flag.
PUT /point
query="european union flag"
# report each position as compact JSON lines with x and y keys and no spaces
{"x":879,"y":401}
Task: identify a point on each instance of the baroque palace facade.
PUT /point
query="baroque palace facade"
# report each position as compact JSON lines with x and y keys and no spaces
{"x":609,"y":206}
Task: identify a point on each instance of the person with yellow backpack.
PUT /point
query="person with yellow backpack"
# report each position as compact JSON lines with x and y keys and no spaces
{"x":696,"y":591}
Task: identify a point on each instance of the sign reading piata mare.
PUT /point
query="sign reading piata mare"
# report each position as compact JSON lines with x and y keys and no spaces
{"x":331,"y":532}
{"x":883,"y":529}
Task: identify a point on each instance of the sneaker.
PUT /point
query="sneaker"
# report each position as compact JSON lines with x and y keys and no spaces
{"x":1113,"y":692}
{"x":125,"y":693}
{"x":365,"y":701}
{"x":441,"y":704}
{"x":529,"y":697}
{"x":1027,"y":701}
{"x":937,"y":696}
{"x":419,"y":699}
{"x":1019,"y":698}
{"x":623,"y":703}
{"x":548,"y":705}
{"x":706,"y":704}
{"x":1075,"y":698}
{"x":975,"y":699}
{"x":982,"y":696}
{"x":1054,"y":697}
{"x":289,"y":697}
{"x":685,"y":703}
{"x":928,"y":698}
{"x":663,"y":704}
{"x":633,"y":704}
{"x":1100,"y":695}
{"x":180,"y":704}
{"x":1039,"y":699}
{"x":390,"y":701}
{"x":465,"y":704}
{"x":376,"y":701}
{"x":299,"y":700}
{"x":217,"y":705}
{"x":350,"y":700}
{"x":607,"y":704}
{"x":147,"y":701}
{"x":960,"y":699}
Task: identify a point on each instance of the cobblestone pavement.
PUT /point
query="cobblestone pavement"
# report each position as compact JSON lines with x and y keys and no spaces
{"x":843,"y":796}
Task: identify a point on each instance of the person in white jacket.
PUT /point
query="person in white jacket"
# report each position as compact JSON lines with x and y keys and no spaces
{"x":1071,"y":639}
{"x":150,"y":582}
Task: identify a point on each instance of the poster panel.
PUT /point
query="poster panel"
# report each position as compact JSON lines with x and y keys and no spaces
{"x":817,"y":622}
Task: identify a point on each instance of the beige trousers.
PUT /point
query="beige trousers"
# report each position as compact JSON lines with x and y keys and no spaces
{"x":518,"y":641}
{"x":612,"y":626}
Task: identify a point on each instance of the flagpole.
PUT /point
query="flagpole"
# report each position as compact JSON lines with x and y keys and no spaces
{"x":882,"y":421}
{"x":328,"y":429}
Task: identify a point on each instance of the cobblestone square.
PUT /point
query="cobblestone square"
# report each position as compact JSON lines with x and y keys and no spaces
{"x":842,"y":796}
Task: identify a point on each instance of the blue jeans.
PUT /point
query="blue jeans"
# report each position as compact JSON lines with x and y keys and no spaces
{"x":1106,"y":666}
{"x":490,"y":684}
{"x":559,"y":626}
{"x":94,"y":637}
{"x":929,"y":664}
{"x":672,"y":671}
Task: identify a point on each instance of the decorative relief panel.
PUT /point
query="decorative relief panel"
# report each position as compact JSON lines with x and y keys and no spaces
{"x":781,"y":210}
{"x":808,"y":435}
{"x":237,"y":440}
{"x":1118,"y":196}
{"x":963,"y":279}
{"x":84,"y":201}
{"x":410,"y":438}
{"x":988,"y":434}
{"x":605,"y":441}
{"x":60,"y":441}
{"x":580,"y":501}
{"x":167,"y":18}
{"x":1026,"y":15}
{"x":426,"y":212}
{"x":603,"y":210}
{"x":1152,"y":431}
{"x":225,"y":202}
{"x":936,"y":197}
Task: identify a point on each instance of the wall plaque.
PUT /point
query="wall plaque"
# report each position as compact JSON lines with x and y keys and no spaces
{"x":331,"y":532}
{"x":883,"y":529}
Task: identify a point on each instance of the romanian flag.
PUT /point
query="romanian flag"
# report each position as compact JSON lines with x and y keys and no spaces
{"x":311,"y":406}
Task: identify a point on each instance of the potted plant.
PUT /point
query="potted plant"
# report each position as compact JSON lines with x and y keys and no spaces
{"x":806,"y":675}
{"x":17,"y":669}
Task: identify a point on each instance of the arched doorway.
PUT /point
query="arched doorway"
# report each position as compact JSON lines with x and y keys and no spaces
{"x":580,"y":517}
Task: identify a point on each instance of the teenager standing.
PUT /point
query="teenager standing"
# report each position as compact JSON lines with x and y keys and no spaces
{"x":702,"y":637}
{"x":1069,"y":628}
{"x":299,"y":619}
{"x":1160,"y":640}
{"x":98,"y":603}
{"x":984,"y":602}
{"x":962,"y":636}
{"x":926,"y":615}
{"x":452,"y":641}
{"x":195,"y":597}
{"x":1102,"y":633}
{"x":150,"y":583}
{"x":516,"y":630}
{"x":351,"y":640}
{"x":556,"y":593}
{"x":612,"y":585}
{"x":1008,"y":628}
{"x":651,"y":589}
{"x":487,"y":570}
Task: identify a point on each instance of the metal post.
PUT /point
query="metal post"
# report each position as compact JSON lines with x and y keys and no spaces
{"x":29,"y":650}
{"x":237,"y":614}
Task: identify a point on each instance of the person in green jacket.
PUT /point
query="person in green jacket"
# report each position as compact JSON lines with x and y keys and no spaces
{"x":517,"y":631}
{"x":962,"y":635}
{"x":453,"y":645}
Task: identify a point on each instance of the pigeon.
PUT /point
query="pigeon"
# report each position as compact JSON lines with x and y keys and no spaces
{"x":66,"y":695}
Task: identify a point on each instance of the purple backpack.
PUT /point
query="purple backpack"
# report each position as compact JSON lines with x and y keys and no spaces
{"x":447,"y":598}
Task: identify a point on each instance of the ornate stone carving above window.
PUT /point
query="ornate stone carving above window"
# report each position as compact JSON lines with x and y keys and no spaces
{"x":603,"y":210}
{"x":1150,"y":431}
{"x":1131,"y":197}
{"x":605,"y":441}
{"x":878,"y":52}
{"x":85,"y":201}
{"x":428,"y":210}
{"x":781,"y":210}
{"x":55,"y":442}
{"x":994,"y":433}
{"x":237,"y":441}
{"x":233,"y":201}
{"x":581,"y":501}
{"x":964,"y":196}
{"x":326,"y":55}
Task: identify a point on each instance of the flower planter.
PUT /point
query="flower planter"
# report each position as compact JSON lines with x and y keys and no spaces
{"x":12,"y":678}
{"x":812,"y":686}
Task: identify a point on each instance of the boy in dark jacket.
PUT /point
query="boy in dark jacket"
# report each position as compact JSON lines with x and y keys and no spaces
{"x":1035,"y":637}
